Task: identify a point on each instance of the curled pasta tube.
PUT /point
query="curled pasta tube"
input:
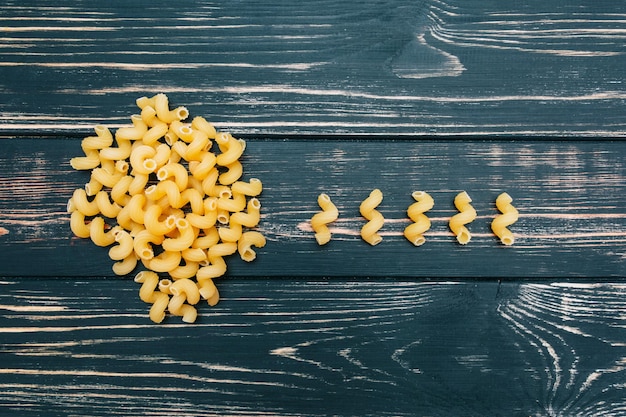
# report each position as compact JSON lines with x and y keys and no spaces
{"x":233,"y":172}
{"x":159,"y":300}
{"x":184,"y":290}
{"x":199,"y":142}
{"x":251,"y":188}
{"x":142,"y":159}
{"x":97,"y":234}
{"x":156,"y":132}
{"x":421,"y":223}
{"x":184,"y":240}
{"x":176,"y":171}
{"x":466,"y":215}
{"x":320,"y":220}
{"x":154,"y":225}
{"x":217,"y":266}
{"x":239,"y":219}
{"x":246,"y":242}
{"x":142,"y":241}
{"x":80,"y":203}
{"x":375,"y":219}
{"x":200,"y":169}
{"x":164,"y":262}
{"x":508,"y":217}
{"x":161,"y":105}
{"x":126,"y":265}
{"x":232,"y":149}
{"x":124,"y":248}
{"x":209,"y":218}
{"x":78,"y":225}
{"x":200,"y":123}
{"x":132,"y":133}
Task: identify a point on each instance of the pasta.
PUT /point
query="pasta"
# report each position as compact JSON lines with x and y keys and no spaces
{"x":168,"y":195}
{"x":508,"y":217}
{"x":369,"y":232}
{"x":414,"y":232}
{"x":320,"y":220}
{"x":466,"y":215}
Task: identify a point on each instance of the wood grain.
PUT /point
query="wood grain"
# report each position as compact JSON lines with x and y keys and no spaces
{"x":316,"y":347}
{"x":396,"y":66}
{"x":338,"y":97}
{"x":570,"y":195}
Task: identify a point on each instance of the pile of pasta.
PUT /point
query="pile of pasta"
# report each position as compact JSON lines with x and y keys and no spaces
{"x":169,"y":195}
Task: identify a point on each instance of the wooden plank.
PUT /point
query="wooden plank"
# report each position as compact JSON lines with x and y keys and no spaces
{"x":317,"y":347}
{"x":402,"y":67}
{"x":571,"y":196}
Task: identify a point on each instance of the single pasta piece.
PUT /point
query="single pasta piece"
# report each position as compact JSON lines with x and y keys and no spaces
{"x":251,"y":188}
{"x":124,"y":248}
{"x":231,"y":148}
{"x":217,"y":266}
{"x":126,"y":265}
{"x":184,"y":240}
{"x":147,"y":293}
{"x":508,"y":217}
{"x":320,"y":221}
{"x":369,"y":232}
{"x":98,"y":234}
{"x":246,"y":242}
{"x":466,"y":215}
{"x":415,"y":231}
{"x":132,"y":133}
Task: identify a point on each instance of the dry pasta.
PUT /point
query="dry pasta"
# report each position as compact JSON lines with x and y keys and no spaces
{"x":508,"y":217}
{"x":319,"y":221}
{"x":415,"y":231}
{"x":369,"y":232}
{"x":168,"y":195}
{"x":466,"y":215}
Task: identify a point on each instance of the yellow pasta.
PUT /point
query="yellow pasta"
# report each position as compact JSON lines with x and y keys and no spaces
{"x":184,"y":240}
{"x":247,"y":241}
{"x":78,"y":225}
{"x":132,"y":133}
{"x":415,"y":231}
{"x":466,"y":215}
{"x":508,"y":217}
{"x":164,"y":186}
{"x":159,"y":300}
{"x":125,"y":247}
{"x":319,"y":221}
{"x":98,"y":234}
{"x":369,"y":232}
{"x":231,"y":149}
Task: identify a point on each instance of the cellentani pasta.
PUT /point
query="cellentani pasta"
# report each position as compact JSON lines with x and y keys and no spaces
{"x":320,"y":221}
{"x":421,"y":223}
{"x":466,"y":215}
{"x":369,"y":232}
{"x":168,"y":195}
{"x":508,"y":217}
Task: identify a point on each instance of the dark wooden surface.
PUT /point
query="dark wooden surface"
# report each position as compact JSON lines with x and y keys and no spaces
{"x":342,"y":98}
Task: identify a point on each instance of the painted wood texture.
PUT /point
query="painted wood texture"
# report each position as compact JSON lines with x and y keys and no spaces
{"x":337,"y":97}
{"x":570,"y":194}
{"x":399,"y":66}
{"x":317,"y":347}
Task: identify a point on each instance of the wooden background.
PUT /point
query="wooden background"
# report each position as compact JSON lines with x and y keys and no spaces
{"x":336,"y":97}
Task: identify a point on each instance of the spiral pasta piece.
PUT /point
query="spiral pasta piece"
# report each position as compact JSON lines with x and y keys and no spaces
{"x":320,"y":221}
{"x":149,"y":282}
{"x":502,"y":221}
{"x":466,"y":215}
{"x":421,"y":223}
{"x":369,"y":232}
